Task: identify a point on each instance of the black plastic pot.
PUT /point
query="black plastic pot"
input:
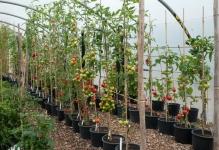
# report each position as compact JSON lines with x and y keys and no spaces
{"x":75,"y":126}
{"x":130,"y":147}
{"x":166,"y":127}
{"x":202,"y":142}
{"x":54,"y":110}
{"x":119,"y":111}
{"x":68,"y":119}
{"x":114,"y":112}
{"x":60,"y":114}
{"x":173,"y":109}
{"x":49,"y":108}
{"x":110,"y":145}
{"x":158,"y":105}
{"x":43,"y":106}
{"x":193,"y":115}
{"x":40,"y":102}
{"x":134,"y":114}
{"x":85,"y":130}
{"x":151,"y":121}
{"x":182,"y":135}
{"x":128,"y":112}
{"x":98,"y":100}
{"x":96,"y":136}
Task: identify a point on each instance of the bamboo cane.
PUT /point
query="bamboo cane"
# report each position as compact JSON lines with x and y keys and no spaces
{"x":141,"y":101}
{"x":216,"y":77}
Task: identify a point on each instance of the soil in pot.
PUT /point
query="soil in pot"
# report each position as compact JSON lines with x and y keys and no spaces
{"x":166,"y":126}
{"x":130,"y":147}
{"x":85,"y":130}
{"x":183,"y":134}
{"x":60,"y":114}
{"x":158,"y":105}
{"x":193,"y":115}
{"x":134,"y":114}
{"x":96,"y":136}
{"x":173,"y":109}
{"x":151,"y":122}
{"x":75,"y":126}
{"x":111,"y":144}
{"x":202,"y":142}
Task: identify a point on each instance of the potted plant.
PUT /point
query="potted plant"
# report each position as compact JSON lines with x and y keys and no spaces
{"x":157,"y":96}
{"x":107,"y":105}
{"x":202,"y":51}
{"x":169,"y":59}
{"x":182,"y":129}
{"x":87,"y":74}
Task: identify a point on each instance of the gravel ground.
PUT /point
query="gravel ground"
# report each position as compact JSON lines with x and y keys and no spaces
{"x":65,"y":139}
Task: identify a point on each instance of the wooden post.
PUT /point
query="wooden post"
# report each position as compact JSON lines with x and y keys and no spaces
{"x":19,"y":55}
{"x":216,"y":76}
{"x":1,"y":79}
{"x":141,"y":100}
{"x":27,"y":60}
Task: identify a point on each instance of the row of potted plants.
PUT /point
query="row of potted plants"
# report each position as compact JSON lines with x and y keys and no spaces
{"x":71,"y":51}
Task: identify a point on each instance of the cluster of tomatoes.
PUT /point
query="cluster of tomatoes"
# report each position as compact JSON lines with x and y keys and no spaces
{"x":90,"y":87}
{"x":60,"y":94}
{"x":107,"y":103}
{"x":65,"y":82}
{"x":34,"y":55}
{"x":104,"y":84}
{"x":96,"y":120}
{"x":34,"y":77}
{"x":183,"y":113}
{"x":124,"y":122}
{"x":167,"y":97}
{"x":74,"y":60}
{"x":148,"y":61}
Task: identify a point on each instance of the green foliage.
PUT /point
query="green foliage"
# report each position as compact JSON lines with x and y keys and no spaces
{"x":36,"y":129}
{"x":21,"y":123}
{"x":9,"y":121}
{"x":186,"y":78}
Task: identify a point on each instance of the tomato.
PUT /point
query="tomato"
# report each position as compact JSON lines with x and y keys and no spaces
{"x":154,"y":93}
{"x":186,"y":108}
{"x":97,"y":120}
{"x":94,"y":90}
{"x":174,"y":89}
{"x":104,"y":85}
{"x":185,"y":112}
{"x":148,"y":61}
{"x":169,"y":98}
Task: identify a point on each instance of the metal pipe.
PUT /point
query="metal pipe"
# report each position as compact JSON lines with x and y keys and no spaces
{"x":4,"y":13}
{"x":13,"y":15}
{"x":18,"y":4}
{"x":10,"y":24}
{"x":176,"y":17}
